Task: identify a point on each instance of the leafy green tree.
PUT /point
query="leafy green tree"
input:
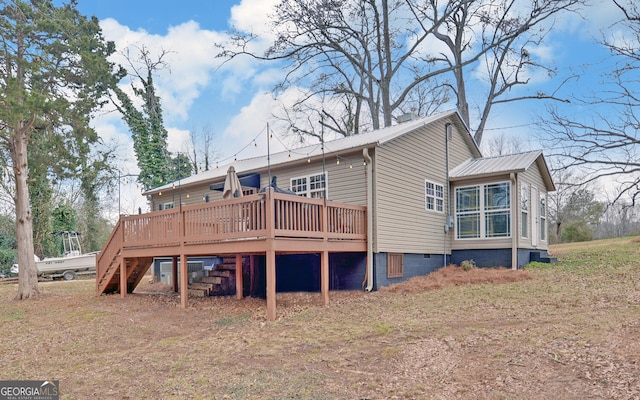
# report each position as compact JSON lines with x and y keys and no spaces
{"x":577,"y":216}
{"x":577,"y":231}
{"x":54,"y":70}
{"x":8,"y":252}
{"x":146,"y":124}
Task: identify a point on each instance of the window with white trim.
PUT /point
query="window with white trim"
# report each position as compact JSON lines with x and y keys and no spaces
{"x":310,"y":185}
{"x":483,"y":216}
{"x":543,"y":217}
{"x":433,"y":196}
{"x":168,"y":206}
{"x":524,"y":211}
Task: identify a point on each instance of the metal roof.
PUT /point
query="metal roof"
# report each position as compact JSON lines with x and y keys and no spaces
{"x":500,"y":165}
{"x":362,"y":140}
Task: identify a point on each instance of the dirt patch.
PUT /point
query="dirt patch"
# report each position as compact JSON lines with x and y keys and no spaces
{"x":571,"y":332}
{"x":454,"y":275}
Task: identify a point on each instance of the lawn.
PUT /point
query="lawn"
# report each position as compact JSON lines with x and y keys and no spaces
{"x":569,"y":330}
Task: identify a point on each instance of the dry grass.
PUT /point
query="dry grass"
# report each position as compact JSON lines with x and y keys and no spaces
{"x":454,"y":275}
{"x":570,"y":332}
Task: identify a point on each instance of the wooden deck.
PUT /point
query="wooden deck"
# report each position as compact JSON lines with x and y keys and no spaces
{"x":261,"y":224}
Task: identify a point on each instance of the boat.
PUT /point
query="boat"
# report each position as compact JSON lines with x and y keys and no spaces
{"x":73,"y":262}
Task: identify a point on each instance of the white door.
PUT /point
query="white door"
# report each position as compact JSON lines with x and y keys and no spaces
{"x":535,"y":221}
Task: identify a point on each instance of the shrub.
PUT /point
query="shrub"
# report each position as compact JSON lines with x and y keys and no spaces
{"x":468,"y":265}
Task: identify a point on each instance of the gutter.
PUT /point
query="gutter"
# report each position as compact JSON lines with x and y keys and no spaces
{"x":369,"y":173}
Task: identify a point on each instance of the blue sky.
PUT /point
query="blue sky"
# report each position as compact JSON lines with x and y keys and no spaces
{"x":233,"y":100}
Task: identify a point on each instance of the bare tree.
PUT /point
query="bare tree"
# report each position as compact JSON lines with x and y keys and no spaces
{"x":199,"y":148}
{"x":370,"y":60}
{"x":502,"y":144}
{"x":502,"y":48}
{"x":606,"y":144}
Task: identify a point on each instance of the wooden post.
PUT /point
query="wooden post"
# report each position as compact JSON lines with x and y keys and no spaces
{"x":324,"y":277}
{"x":184,"y":282}
{"x":238,"y":276}
{"x":270,"y":213}
{"x":252,"y":274}
{"x":271,"y":285}
{"x":123,"y":277}
{"x":174,"y":273}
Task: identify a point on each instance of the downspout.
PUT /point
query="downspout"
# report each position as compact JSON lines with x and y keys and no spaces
{"x":447,"y":222}
{"x":369,"y":172}
{"x":514,"y":225}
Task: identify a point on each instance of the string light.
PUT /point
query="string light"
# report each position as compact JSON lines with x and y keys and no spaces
{"x":337,"y":161}
{"x":255,"y":145}
{"x":350,"y":166}
{"x":235,"y":160}
{"x":289,"y":157}
{"x":217,"y":167}
{"x":187,"y":195}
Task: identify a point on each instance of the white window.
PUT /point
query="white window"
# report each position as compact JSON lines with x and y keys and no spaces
{"x":524,"y":210}
{"x":310,"y":185}
{"x":483,"y":216}
{"x":468,"y":212}
{"x":433,"y":196}
{"x":543,"y":217}
{"x":168,"y":206}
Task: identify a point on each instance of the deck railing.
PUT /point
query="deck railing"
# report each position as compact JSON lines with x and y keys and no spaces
{"x":256,"y":216}
{"x":110,"y":250}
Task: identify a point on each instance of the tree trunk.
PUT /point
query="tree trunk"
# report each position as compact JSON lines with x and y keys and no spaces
{"x":28,"y":275}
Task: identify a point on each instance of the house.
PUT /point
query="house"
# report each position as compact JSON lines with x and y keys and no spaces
{"x":429,"y":197}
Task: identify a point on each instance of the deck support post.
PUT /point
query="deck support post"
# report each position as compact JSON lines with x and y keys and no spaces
{"x":324,"y":277}
{"x":174,"y":273}
{"x":252,"y":274}
{"x":184,"y":283}
{"x":123,"y":277}
{"x":271,"y":285}
{"x":238,"y":276}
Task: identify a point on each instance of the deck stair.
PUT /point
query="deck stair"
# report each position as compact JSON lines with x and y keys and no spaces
{"x":136,"y":268}
{"x":218,"y":282}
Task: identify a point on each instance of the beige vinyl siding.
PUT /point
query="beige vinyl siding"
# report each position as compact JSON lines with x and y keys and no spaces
{"x":533,"y":178}
{"x":344,"y":184}
{"x":402,"y":224}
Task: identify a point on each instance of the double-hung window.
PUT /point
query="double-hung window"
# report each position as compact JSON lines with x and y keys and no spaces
{"x":483,"y":211}
{"x":524,"y":210}
{"x":433,"y":196}
{"x":543,"y":217}
{"x":497,"y":210}
{"x":468,"y":212}
{"x":310,"y":185}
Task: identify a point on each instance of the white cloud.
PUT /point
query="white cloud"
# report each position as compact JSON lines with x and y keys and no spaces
{"x":190,"y":59}
{"x":253,"y":16}
{"x":177,"y":138}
